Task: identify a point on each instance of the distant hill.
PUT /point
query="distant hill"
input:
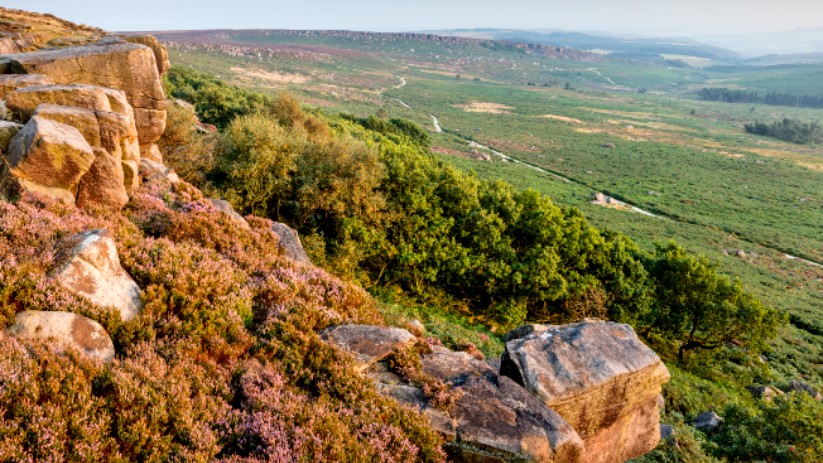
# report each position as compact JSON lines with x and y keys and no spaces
{"x":620,"y":46}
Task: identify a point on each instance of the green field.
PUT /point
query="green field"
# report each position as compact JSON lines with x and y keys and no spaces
{"x":718,"y":189}
{"x":741,"y":200}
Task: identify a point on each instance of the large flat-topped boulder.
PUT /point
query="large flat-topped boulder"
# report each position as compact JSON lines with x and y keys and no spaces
{"x":600,"y":377}
{"x":493,"y":419}
{"x":48,"y":157}
{"x":23,"y":102}
{"x":87,"y":264}
{"x":66,"y":330}
{"x":12,"y":82}
{"x":129,"y":67}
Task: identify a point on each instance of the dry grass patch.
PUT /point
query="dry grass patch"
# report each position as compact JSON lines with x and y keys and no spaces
{"x":561,"y":118}
{"x":489,"y":108}
{"x":275,"y":77}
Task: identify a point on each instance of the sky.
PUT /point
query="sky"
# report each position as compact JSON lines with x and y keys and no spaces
{"x":649,"y":17}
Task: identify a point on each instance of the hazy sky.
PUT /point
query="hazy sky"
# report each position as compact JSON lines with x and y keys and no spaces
{"x":672,"y":17}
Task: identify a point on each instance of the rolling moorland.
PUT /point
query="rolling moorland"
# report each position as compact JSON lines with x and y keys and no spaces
{"x":571,"y":124}
{"x":463,"y":206}
{"x":711,"y":186}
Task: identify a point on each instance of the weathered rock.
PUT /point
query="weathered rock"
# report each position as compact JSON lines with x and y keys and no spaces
{"x":127,"y":66}
{"x":766,"y":393}
{"x":102,"y":187}
{"x":161,"y":55}
{"x":800,"y":386}
{"x":66,"y":330}
{"x":24,"y":30}
{"x":368,"y":344}
{"x":120,"y":128}
{"x":707,"y":422}
{"x":12,"y":82}
{"x":668,"y":435}
{"x":50,"y":158}
{"x":87,"y":265}
{"x":114,"y":132}
{"x":600,"y":378}
{"x":23,"y":102}
{"x":151,"y":152}
{"x":493,"y":420}
{"x":151,"y":171}
{"x":223,"y":206}
{"x":7,"y":131}
{"x":290,"y":243}
{"x":526,"y":330}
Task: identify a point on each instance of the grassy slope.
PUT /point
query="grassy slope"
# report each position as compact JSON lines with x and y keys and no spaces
{"x":727,"y":190}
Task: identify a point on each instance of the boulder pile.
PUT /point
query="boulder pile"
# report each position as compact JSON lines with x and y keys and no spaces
{"x":88,"y":114}
{"x":586,"y":392}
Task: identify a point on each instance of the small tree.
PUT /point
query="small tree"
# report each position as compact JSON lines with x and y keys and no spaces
{"x":700,"y":309}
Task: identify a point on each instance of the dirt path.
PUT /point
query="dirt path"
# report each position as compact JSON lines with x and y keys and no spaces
{"x":436,"y":122}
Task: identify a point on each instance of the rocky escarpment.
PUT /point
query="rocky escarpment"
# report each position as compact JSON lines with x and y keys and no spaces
{"x":89,"y":111}
{"x":585,"y":392}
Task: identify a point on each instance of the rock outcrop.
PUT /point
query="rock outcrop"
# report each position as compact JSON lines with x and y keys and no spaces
{"x":367,"y":344}
{"x":105,"y":120}
{"x":707,"y":422}
{"x":111,"y":92}
{"x":161,"y":55}
{"x":12,"y":82}
{"x":87,"y":265}
{"x":805,"y":388}
{"x":766,"y":393}
{"x":25,"y":31}
{"x":48,"y":157}
{"x":66,"y":330}
{"x":130,"y":67}
{"x":223,"y":206}
{"x":600,"y":378}
{"x":23,"y":102}
{"x":290,"y":243}
{"x":492,"y":419}
{"x":152,"y":171}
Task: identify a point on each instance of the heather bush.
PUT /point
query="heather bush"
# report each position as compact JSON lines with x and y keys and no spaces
{"x":218,"y":297}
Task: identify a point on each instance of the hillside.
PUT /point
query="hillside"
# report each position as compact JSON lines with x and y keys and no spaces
{"x":368,"y":289}
{"x":682,"y":159}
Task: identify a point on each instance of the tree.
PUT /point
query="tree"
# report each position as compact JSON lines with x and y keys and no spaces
{"x":258,"y":160}
{"x":700,"y":309}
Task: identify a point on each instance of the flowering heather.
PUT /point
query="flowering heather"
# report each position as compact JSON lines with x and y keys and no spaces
{"x":223,"y":364}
